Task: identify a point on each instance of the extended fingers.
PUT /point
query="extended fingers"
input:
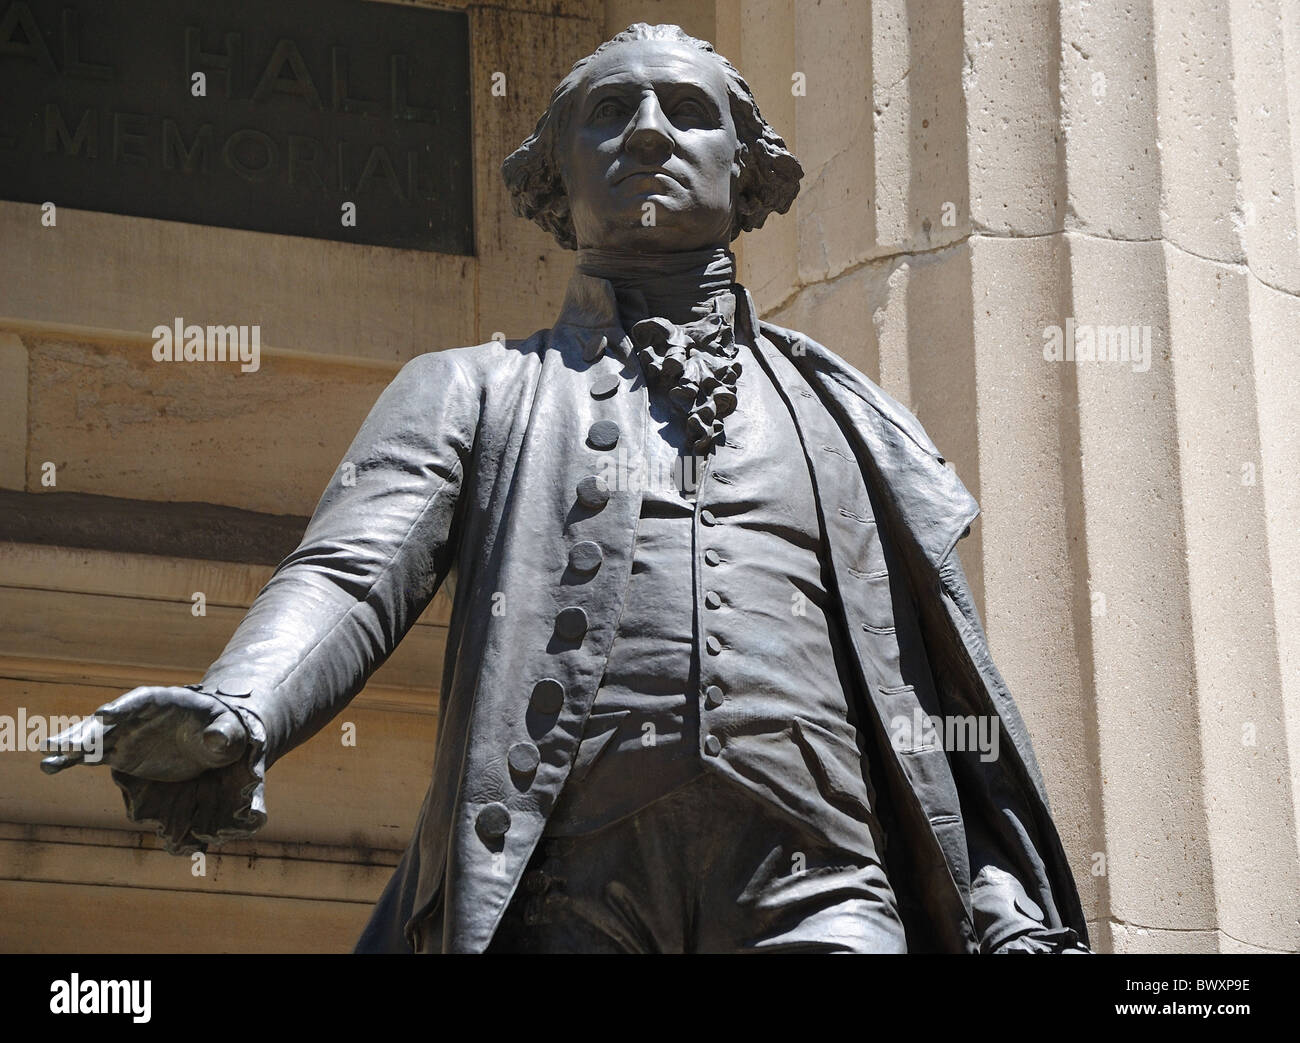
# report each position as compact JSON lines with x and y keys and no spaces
{"x":85,"y":742}
{"x":138,"y":702}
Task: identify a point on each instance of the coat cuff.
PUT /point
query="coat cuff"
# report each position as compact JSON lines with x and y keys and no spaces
{"x":1008,"y":920}
{"x":222,"y":804}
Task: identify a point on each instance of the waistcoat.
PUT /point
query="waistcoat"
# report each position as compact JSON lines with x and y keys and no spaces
{"x":728,"y":636}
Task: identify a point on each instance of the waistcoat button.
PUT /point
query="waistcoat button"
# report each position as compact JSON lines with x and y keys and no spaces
{"x":712,"y":745}
{"x":713,"y":645}
{"x":713,"y":697}
{"x":708,"y":517}
{"x":711,"y":557}
{"x":712,"y":599}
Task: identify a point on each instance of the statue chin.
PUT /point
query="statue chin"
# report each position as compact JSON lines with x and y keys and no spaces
{"x":672,"y":232}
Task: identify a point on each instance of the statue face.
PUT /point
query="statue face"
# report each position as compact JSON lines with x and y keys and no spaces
{"x":651,"y":124}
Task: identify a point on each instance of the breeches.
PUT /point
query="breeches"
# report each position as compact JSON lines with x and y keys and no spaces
{"x":708,"y":868}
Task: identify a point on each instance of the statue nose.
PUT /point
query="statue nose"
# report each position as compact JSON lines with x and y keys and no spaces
{"x":650,"y":139}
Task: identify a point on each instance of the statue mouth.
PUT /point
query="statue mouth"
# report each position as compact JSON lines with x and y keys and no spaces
{"x":649,"y":172}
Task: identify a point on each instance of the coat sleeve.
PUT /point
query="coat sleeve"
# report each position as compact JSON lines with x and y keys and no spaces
{"x":376,"y":550}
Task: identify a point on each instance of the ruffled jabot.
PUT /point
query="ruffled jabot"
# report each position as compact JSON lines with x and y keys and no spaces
{"x":696,"y":364}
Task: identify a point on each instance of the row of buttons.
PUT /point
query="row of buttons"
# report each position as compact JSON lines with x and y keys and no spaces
{"x":585,"y":559}
{"x":713,"y":694}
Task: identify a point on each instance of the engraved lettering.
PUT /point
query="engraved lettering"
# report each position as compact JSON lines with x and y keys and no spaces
{"x":261,"y":144}
{"x":19,"y":19}
{"x":130,"y":134}
{"x":286,"y":53}
{"x":56,"y":132}
{"x":72,"y":63}
{"x":229,"y":63}
{"x":193,"y":158}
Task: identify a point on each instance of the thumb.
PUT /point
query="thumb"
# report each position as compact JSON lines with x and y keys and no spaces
{"x":224,"y":739}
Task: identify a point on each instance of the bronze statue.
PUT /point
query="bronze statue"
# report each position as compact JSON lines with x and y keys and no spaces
{"x":738,"y":696}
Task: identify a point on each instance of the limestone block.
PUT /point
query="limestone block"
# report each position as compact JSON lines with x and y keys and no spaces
{"x":523,"y":271}
{"x":1142,"y":635}
{"x":1274,"y":318}
{"x":13,"y":412}
{"x":115,"y":421}
{"x":1010,"y":81}
{"x":695,"y":18}
{"x":841,"y":314}
{"x":835,"y":208}
{"x":1248,"y":793}
{"x":96,"y":919}
{"x":920,"y":148}
{"x":1034,"y":571}
{"x":1267,"y":118}
{"x":1108,"y":120}
{"x":1196,"y":113}
{"x":331,"y":298}
{"x":768,"y":58}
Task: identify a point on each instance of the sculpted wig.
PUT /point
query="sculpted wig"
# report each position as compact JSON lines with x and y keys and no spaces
{"x":769,"y":173}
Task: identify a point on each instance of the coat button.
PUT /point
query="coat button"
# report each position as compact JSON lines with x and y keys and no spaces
{"x":235,"y":689}
{"x":708,"y":517}
{"x":593,"y":349}
{"x":713,"y":697}
{"x":585,"y":556}
{"x":1029,"y":907}
{"x":571,"y":624}
{"x":493,"y":821}
{"x":523,"y":758}
{"x":713,"y":645}
{"x":712,"y":557}
{"x":712,"y":746}
{"x":713,"y":599}
{"x":603,"y":434}
{"x":548,"y":696}
{"x":593,"y":492}
{"x":604,"y":385}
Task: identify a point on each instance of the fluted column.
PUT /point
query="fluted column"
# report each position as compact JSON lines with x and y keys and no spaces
{"x":1027,"y":174}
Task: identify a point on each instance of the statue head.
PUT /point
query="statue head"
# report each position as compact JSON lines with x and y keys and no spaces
{"x":652,"y":142}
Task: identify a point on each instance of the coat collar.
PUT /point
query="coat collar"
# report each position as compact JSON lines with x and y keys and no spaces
{"x":591,"y":309}
{"x":929,"y":501}
{"x":590,"y":313}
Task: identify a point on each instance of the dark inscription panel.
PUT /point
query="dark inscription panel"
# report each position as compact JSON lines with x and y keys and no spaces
{"x":310,"y":105}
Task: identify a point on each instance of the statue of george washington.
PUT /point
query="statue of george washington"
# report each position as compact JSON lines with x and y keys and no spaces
{"x":737,"y":695}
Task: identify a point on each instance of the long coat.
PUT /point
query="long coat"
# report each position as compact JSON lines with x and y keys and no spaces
{"x":473,"y":460}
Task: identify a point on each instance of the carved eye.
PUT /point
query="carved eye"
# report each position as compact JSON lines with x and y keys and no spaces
{"x":690,"y":108}
{"x":607,"y":109}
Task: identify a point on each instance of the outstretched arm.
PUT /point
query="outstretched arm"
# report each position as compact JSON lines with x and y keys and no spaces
{"x":373,"y":555}
{"x":376,"y":550}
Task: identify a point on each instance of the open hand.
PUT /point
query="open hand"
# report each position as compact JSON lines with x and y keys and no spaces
{"x":168,"y":734}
